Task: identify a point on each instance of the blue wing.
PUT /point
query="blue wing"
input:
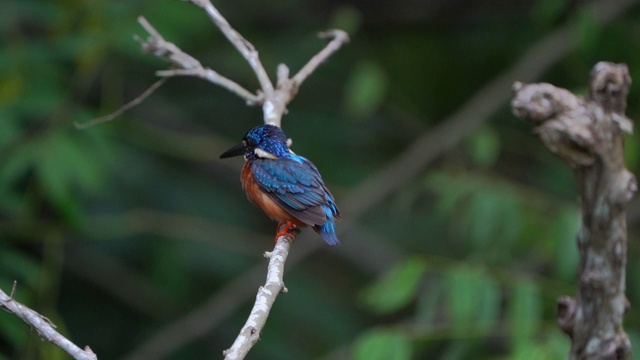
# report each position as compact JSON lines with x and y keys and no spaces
{"x":296,"y":185}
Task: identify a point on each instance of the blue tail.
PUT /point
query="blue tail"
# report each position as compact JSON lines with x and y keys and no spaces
{"x":327,"y":230}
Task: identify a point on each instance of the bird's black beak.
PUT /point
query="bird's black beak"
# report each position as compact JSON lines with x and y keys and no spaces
{"x":237,"y":150}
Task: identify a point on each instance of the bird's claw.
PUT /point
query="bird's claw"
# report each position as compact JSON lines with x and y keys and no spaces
{"x":290,"y":229}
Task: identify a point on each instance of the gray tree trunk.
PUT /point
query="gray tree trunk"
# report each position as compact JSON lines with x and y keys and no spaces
{"x":589,"y":135}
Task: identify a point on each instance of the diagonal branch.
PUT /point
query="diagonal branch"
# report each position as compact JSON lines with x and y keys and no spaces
{"x":246,"y":49}
{"x":160,"y":47}
{"x":287,"y":88}
{"x":122,"y":109}
{"x":250,"y":332}
{"x":338,"y":38}
{"x":44,"y":327}
{"x":186,"y":65}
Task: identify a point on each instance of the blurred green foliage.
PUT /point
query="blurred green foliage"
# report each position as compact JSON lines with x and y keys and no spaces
{"x":118,"y":232}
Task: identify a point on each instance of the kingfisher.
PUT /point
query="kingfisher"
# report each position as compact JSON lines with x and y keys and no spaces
{"x":286,"y":186}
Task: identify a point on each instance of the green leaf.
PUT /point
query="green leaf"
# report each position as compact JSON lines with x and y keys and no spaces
{"x":365,"y":89}
{"x":16,"y":166}
{"x":547,"y":12}
{"x":474,"y":299}
{"x":397,"y":288}
{"x":524,"y":313}
{"x":587,"y":30}
{"x":347,"y":18}
{"x":15,"y":265}
{"x":556,"y":345}
{"x":13,"y":330}
{"x":488,"y":303}
{"x":428,"y":305}
{"x":480,"y":218}
{"x":632,"y":152}
{"x":484,"y":147}
{"x":528,"y":350}
{"x":382,"y":344}
{"x":450,"y":190}
{"x":634,"y":337}
{"x":462,"y":304}
{"x":456,"y":350}
{"x":548,"y":345}
{"x":563,"y":235}
{"x":12,"y":86}
{"x":63,"y":164}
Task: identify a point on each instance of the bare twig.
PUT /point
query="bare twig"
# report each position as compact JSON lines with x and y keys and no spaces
{"x":276,"y":105}
{"x":157,"y":45}
{"x":44,"y":327}
{"x":215,"y":78}
{"x":124,"y":108}
{"x":250,"y":332}
{"x":243,"y":46}
{"x":338,"y":38}
{"x":186,"y":65}
{"x":588,"y":134}
{"x":273,"y":100}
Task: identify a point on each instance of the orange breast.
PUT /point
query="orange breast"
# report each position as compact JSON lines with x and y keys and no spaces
{"x":273,"y":210}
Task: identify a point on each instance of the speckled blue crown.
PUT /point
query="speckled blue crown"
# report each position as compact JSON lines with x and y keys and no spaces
{"x":269,"y":138}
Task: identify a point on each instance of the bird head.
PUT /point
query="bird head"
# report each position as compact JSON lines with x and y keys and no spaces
{"x":262,"y":142}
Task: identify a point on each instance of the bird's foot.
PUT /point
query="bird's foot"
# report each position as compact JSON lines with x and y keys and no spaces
{"x":288,"y":229}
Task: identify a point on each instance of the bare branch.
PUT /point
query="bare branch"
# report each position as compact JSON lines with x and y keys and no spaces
{"x":44,"y":327}
{"x":122,"y":109}
{"x":245,"y":48}
{"x":187,"y":65}
{"x":215,"y":78}
{"x":338,"y":38}
{"x":250,"y":332}
{"x":276,"y":105}
{"x":158,"y":46}
{"x":274,"y":101}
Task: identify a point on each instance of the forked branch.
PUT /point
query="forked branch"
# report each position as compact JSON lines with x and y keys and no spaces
{"x":274,"y":99}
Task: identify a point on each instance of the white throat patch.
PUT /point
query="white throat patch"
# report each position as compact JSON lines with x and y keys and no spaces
{"x":263,"y":154}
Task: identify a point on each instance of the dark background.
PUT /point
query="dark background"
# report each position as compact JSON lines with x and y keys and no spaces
{"x":459,"y":227}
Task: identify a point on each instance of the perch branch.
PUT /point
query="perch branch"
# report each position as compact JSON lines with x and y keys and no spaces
{"x":44,"y":327}
{"x":589,"y":135}
{"x":250,"y":332}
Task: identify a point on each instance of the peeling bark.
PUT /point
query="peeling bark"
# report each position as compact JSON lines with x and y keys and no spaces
{"x":588,"y":133}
